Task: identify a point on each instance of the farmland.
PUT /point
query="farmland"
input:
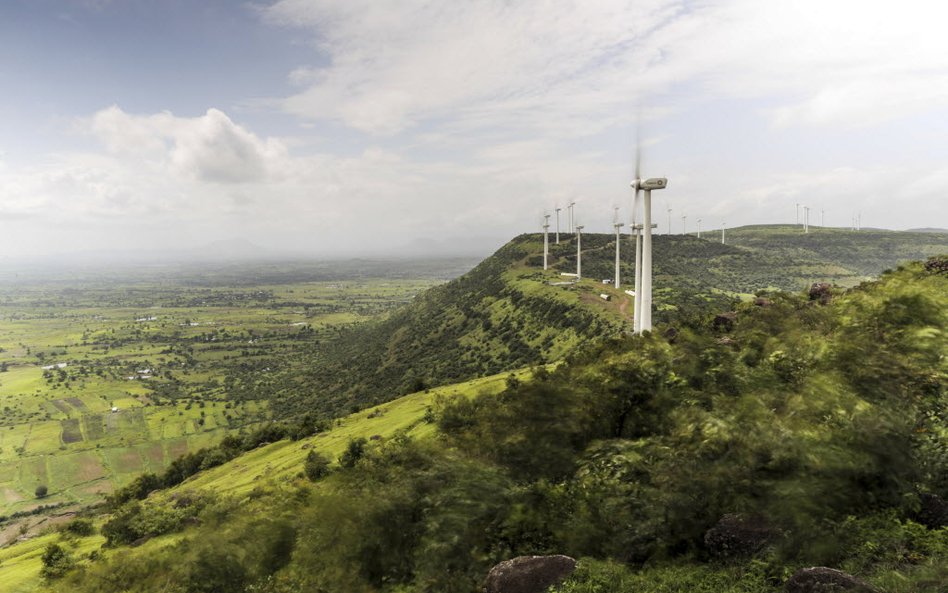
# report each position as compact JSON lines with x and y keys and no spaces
{"x":106,"y":377}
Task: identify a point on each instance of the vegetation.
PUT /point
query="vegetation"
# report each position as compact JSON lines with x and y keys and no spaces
{"x":823,"y":422}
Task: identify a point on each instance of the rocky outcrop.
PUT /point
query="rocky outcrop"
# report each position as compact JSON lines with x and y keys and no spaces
{"x":820,"y":579}
{"x":529,"y":574}
{"x":739,"y":535}
{"x":821,"y":292}
{"x":725,"y":321}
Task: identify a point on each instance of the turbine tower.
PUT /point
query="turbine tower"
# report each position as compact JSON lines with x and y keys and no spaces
{"x":806,"y":219}
{"x":618,"y":225}
{"x":579,"y":252}
{"x":722,"y":232}
{"x":822,"y":217}
{"x":699,"y":228}
{"x":669,"y":219}
{"x":684,"y":225}
{"x":546,"y":239}
{"x":558,"y":225}
{"x":572,"y":228}
{"x":643,"y":269}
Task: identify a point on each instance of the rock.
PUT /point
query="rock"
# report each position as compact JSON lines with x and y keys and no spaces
{"x":727,"y":341}
{"x":933,"y":512}
{"x":528,"y":574}
{"x":822,"y":292}
{"x":762,"y":302}
{"x":820,"y":579}
{"x":725,"y":321}
{"x":937,"y":264}
{"x":739,"y":535}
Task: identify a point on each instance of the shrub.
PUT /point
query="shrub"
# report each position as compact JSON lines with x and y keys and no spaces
{"x":316,"y":465}
{"x":41,"y":491}
{"x":56,"y":562}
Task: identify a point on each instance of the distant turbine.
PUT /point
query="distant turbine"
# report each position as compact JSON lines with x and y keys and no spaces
{"x":618,"y":225}
{"x":558,"y":225}
{"x":572,"y":227}
{"x":822,"y":215}
{"x":806,"y":219}
{"x":669,"y":220}
{"x":722,"y":232}
{"x":546,"y":240}
{"x":699,"y":228}
{"x":579,"y":252}
{"x":684,"y":225}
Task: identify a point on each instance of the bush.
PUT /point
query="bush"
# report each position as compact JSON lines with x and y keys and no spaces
{"x":353,"y":453}
{"x":80,"y":527}
{"x":316,"y":465}
{"x":56,"y":562}
{"x":41,"y":491}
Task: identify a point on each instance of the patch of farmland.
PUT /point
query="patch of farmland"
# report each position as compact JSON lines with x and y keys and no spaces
{"x":71,"y":432}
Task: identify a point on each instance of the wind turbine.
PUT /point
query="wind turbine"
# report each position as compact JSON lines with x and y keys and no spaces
{"x":699,"y":228}
{"x":684,"y":225}
{"x":722,"y":232}
{"x":669,"y":217}
{"x":618,"y":225}
{"x":546,"y":240}
{"x":558,"y":225}
{"x":822,"y":215}
{"x":806,"y":219}
{"x":579,"y":252}
{"x":642,"y":320}
{"x":572,"y":228}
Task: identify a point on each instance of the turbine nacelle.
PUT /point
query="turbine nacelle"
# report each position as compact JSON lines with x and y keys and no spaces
{"x":650,"y":184}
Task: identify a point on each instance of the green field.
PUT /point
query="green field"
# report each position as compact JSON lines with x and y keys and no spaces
{"x":101,"y":381}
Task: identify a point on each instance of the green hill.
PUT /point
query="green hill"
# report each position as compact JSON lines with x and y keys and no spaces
{"x":507,"y":312}
{"x":817,"y":423}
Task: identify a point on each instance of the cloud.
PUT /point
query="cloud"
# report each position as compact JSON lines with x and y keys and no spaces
{"x":208,"y":148}
{"x":567,"y":67}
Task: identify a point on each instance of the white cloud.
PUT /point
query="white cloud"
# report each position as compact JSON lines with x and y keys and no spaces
{"x":566,"y":66}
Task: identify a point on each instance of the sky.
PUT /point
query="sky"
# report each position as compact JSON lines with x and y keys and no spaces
{"x":387,"y":127}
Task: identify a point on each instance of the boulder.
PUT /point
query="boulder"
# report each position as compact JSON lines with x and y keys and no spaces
{"x":937,"y":264}
{"x":933,"y":512}
{"x":725,"y":321}
{"x":762,"y":302}
{"x":528,"y":574}
{"x":739,"y":535}
{"x":820,"y":579}
{"x":821,"y":292}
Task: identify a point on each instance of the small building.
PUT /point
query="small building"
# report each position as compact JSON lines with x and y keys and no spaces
{"x":605,"y":297}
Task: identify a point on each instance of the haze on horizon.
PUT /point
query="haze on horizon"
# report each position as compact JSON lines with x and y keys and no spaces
{"x":359,"y":127}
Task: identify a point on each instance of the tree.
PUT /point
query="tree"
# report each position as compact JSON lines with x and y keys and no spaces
{"x":41,"y":491}
{"x":353,"y":452}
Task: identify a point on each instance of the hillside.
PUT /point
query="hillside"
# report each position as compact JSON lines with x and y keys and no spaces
{"x":812,"y":428}
{"x":507,"y":313}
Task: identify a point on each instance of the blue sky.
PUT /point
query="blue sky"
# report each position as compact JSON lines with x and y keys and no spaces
{"x":331,"y":127}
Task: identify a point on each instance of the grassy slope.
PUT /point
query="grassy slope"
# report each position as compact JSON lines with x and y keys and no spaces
{"x":20,"y":563}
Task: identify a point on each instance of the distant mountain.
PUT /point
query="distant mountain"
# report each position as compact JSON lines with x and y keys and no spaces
{"x":927,"y":230}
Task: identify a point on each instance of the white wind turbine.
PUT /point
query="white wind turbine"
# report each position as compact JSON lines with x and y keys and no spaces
{"x":546,"y":239}
{"x":669,"y":208}
{"x":699,"y":228}
{"x":684,"y":225}
{"x":642,"y":320}
{"x":722,"y":232}
{"x":572,"y":228}
{"x":558,"y":225}
{"x":617,"y":225}
{"x":579,"y":252}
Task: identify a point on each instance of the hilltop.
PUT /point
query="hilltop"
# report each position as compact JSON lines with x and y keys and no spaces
{"x":507,"y":312}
